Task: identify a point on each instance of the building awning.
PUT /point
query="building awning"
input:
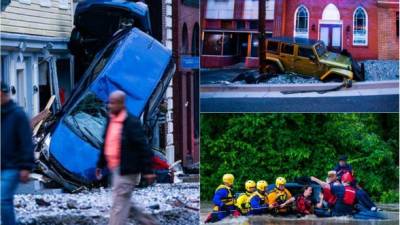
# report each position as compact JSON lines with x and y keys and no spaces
{"x":11,"y":41}
{"x":235,"y":31}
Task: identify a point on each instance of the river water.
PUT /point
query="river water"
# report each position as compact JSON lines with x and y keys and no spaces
{"x":391,"y":211}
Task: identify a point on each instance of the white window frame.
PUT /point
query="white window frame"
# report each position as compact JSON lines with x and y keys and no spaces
{"x":25,"y":1}
{"x":301,"y":34}
{"x":45,"y":3}
{"x":63,"y":4}
{"x":365,"y":36}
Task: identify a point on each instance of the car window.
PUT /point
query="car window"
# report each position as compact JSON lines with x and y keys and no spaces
{"x":287,"y":49}
{"x":272,"y":46}
{"x":88,"y":119}
{"x":305,"y":52}
{"x":321,"y":49}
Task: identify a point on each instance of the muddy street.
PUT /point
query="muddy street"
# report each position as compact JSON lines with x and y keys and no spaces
{"x":168,"y":203}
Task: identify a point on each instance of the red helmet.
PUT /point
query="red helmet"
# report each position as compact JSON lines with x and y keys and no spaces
{"x":347,"y":177}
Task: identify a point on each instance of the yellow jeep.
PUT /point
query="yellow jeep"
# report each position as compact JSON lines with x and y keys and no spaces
{"x":310,"y":57}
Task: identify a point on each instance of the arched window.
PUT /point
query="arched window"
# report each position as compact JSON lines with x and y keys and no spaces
{"x":185,"y":40}
{"x":301,"y":22}
{"x":360,"y":27}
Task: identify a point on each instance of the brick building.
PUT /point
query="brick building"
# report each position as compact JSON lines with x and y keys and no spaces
{"x":388,"y":29}
{"x":229,"y":31}
{"x":366,"y":28}
{"x":186,"y":41}
{"x":351,"y":25}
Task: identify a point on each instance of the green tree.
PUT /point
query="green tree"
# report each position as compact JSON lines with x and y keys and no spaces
{"x":265,"y":146}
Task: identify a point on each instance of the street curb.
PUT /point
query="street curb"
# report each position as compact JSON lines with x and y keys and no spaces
{"x":296,"y":87}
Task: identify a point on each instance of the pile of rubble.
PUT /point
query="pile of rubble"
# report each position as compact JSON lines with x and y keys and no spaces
{"x":168,"y":203}
{"x":376,"y":70}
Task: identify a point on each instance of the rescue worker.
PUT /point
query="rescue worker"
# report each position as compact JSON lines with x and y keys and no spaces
{"x":258,"y":200}
{"x":242,"y":202}
{"x":345,"y":196}
{"x":224,"y":201}
{"x":363,"y":198}
{"x":342,"y":167}
{"x":280,"y":197}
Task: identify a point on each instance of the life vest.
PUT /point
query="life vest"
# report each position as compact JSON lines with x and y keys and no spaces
{"x":328,"y":196}
{"x":229,"y":199}
{"x":243,"y":202}
{"x":281,"y":196}
{"x":263,"y":197}
{"x":277,"y":196}
{"x":349,"y":195}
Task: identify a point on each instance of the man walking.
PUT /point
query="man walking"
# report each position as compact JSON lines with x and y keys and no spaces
{"x":16,"y":152}
{"x":127,"y":155}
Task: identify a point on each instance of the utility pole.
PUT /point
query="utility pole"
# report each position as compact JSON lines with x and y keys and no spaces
{"x":261,"y":36}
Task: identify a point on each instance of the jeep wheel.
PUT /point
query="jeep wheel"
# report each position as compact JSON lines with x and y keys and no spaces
{"x":335,"y":78}
{"x":272,"y":69}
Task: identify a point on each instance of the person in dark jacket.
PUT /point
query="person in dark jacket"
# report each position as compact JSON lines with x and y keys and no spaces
{"x":16,"y":153}
{"x":127,"y":155}
{"x":342,"y":167}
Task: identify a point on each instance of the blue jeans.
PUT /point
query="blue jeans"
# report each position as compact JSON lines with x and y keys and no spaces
{"x":8,"y":185}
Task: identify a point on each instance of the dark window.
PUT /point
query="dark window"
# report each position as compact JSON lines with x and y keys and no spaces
{"x":287,"y":49}
{"x":240,"y":25}
{"x":212,"y":44}
{"x":305,"y":52}
{"x":397,"y":24}
{"x":254,"y":45}
{"x":302,"y":20}
{"x":272,"y":46}
{"x":88,"y":119}
{"x":230,"y":44}
{"x":254,"y":24}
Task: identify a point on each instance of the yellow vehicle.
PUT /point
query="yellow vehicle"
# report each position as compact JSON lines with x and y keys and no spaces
{"x":310,"y":57}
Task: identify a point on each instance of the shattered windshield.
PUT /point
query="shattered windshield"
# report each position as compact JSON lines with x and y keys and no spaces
{"x":88,"y":119}
{"x":321,"y":49}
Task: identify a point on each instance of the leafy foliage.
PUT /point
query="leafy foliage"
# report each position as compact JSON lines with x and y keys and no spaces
{"x":265,"y":146}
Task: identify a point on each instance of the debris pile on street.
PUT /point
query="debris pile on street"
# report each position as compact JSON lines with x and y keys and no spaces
{"x":376,"y":70}
{"x":169,"y":203}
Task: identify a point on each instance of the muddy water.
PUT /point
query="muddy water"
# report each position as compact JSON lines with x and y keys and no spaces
{"x":390,"y":210}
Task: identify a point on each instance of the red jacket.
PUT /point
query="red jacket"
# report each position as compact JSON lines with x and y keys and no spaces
{"x":328,"y":196}
{"x":303,"y":205}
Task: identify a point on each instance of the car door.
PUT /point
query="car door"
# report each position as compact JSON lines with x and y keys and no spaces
{"x":287,"y":56}
{"x":306,"y":62}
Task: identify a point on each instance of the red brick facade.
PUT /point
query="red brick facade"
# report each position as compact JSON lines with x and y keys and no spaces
{"x":186,"y":36}
{"x":388,"y":38}
{"x":346,"y":10}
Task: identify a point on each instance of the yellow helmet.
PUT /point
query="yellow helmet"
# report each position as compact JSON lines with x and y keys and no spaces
{"x":280,"y":181}
{"x":249,"y":184}
{"x":228,"y":178}
{"x":262,"y":185}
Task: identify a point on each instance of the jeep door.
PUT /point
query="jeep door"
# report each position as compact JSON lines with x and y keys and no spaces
{"x":287,"y":56}
{"x":306,"y":62}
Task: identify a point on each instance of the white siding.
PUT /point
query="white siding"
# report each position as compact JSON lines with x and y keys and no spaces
{"x":35,"y":19}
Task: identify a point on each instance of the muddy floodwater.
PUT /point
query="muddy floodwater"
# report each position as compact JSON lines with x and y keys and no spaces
{"x":391,"y":211}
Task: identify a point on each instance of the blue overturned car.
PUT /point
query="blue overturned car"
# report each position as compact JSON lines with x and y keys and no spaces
{"x":113,"y":49}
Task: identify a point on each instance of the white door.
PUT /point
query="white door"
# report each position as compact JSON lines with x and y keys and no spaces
{"x":336,"y":36}
{"x":21,"y":88}
{"x":325,"y":35}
